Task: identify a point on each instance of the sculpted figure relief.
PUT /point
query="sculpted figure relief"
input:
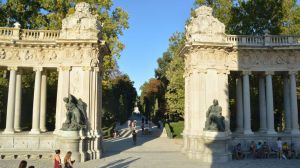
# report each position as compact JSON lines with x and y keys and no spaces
{"x":75,"y":118}
{"x":214,"y":118}
{"x":204,"y":27}
{"x":81,"y":25}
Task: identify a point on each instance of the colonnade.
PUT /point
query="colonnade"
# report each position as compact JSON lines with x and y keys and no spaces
{"x":266,"y":107}
{"x":13,"y":115}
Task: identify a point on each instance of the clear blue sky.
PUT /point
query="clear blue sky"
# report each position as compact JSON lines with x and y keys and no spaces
{"x":151,"y":23}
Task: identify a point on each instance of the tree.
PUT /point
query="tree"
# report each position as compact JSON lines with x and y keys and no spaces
{"x":256,"y":17}
{"x":174,"y":74}
{"x":119,"y":97}
{"x":175,"y":89}
{"x":151,"y":91}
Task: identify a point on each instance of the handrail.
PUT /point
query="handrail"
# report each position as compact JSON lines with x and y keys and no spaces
{"x":266,"y":40}
{"x":26,"y":34}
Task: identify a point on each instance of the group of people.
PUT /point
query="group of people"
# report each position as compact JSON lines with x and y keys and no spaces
{"x":68,"y":162}
{"x":262,"y":150}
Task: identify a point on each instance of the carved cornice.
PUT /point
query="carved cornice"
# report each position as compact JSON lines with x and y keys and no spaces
{"x":269,"y":73}
{"x":64,"y":68}
{"x":38,"y":69}
{"x":246,"y":72}
{"x":12,"y":68}
{"x":49,"y":57}
{"x":223,"y":71}
{"x":86,"y":68}
{"x":293,"y":72}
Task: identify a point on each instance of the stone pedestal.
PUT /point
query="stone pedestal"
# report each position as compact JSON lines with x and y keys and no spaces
{"x":209,"y":147}
{"x":70,"y":141}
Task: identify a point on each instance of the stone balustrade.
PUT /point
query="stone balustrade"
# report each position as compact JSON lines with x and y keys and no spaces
{"x":25,"y":34}
{"x":267,"y":40}
{"x":6,"y":33}
{"x":40,"y":34}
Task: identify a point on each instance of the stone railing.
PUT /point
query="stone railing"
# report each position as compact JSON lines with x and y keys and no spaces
{"x":40,"y":34}
{"x":267,"y":40}
{"x":8,"y":33}
{"x":25,"y":34}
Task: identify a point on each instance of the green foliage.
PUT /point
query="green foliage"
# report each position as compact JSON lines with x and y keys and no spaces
{"x":119,"y":96}
{"x":3,"y":96}
{"x":177,"y":128}
{"x":152,"y":92}
{"x":175,"y":89}
{"x":174,"y":129}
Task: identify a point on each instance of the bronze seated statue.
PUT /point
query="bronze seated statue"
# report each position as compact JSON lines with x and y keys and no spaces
{"x":214,"y":118}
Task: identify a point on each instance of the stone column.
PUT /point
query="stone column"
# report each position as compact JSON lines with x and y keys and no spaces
{"x":287,"y":105}
{"x":43,"y":102}
{"x":223,"y":96}
{"x":9,"y":129}
{"x":18,"y":100}
{"x":239,"y":105}
{"x":63,"y":90}
{"x":36,"y":102}
{"x":97,"y":113}
{"x":246,"y":103}
{"x":270,"y":108}
{"x":186,"y":113}
{"x":294,"y":105}
{"x":262,"y":105}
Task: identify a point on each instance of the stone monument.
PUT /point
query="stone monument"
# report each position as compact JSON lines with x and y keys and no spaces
{"x":75,"y":52}
{"x":210,"y":57}
{"x":206,"y":133}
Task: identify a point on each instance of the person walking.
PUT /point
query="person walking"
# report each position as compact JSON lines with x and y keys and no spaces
{"x":68,"y":161}
{"x":134,"y":137}
{"x":57,"y":160}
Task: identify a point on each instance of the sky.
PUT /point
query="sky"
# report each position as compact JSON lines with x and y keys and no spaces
{"x":152,"y":22}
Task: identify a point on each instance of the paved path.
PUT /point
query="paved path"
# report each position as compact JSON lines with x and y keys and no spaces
{"x":153,"y":151}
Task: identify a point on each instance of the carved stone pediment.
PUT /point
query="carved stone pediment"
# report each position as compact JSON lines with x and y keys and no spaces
{"x":80,"y":25}
{"x":204,"y":27}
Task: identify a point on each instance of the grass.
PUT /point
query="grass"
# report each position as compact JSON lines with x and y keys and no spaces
{"x":177,"y":128}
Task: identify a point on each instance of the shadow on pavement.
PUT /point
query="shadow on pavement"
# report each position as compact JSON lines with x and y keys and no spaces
{"x":117,"y":145}
{"x":120,"y":163}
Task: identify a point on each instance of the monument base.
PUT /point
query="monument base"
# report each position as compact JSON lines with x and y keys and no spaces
{"x":208,"y":147}
{"x":70,"y":141}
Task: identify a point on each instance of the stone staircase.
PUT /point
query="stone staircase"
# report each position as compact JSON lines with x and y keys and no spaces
{"x":124,"y":133}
